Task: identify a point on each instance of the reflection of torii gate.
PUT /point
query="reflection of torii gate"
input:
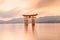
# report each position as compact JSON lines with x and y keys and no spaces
{"x":33,"y":16}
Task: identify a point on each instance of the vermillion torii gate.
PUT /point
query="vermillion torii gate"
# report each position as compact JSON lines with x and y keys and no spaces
{"x":33,"y":16}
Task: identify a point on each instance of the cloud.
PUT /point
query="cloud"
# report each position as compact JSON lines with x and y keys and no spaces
{"x":2,"y":1}
{"x":6,"y":15}
{"x":9,"y":14}
{"x":43,"y":7}
{"x":45,"y":3}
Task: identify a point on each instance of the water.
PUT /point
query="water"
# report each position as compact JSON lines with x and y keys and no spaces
{"x":43,"y":31}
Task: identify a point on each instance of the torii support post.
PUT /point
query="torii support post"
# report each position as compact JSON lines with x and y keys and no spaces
{"x":26,"y":23}
{"x":33,"y":23}
{"x":33,"y":16}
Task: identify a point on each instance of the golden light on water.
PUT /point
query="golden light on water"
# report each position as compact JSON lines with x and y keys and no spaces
{"x":42,"y":32}
{"x":12,"y":9}
{"x":15,"y":32}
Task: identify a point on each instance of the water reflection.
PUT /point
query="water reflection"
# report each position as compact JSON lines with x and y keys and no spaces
{"x":32,"y":28}
{"x":41,"y":32}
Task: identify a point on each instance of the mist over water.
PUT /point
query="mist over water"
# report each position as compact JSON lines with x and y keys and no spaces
{"x":43,"y":31}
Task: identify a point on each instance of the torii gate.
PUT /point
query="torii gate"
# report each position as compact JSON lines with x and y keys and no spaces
{"x":26,"y":16}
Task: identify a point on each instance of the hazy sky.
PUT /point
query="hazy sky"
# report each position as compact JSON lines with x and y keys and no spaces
{"x":10,"y":9}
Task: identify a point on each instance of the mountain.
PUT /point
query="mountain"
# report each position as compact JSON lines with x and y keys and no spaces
{"x":1,"y":21}
{"x":46,"y":19}
{"x":18,"y":20}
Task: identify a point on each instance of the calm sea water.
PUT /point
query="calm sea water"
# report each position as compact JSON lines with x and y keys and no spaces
{"x":43,"y":31}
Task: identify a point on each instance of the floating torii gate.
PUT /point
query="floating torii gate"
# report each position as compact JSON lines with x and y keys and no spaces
{"x":26,"y":16}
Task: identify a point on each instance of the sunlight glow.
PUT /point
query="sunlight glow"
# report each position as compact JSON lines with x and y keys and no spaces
{"x":28,"y":7}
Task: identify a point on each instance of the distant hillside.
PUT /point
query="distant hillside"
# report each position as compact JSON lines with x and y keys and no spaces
{"x":1,"y":21}
{"x":46,"y":19}
{"x":18,"y":20}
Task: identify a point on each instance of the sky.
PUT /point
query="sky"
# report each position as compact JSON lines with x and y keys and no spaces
{"x":11,"y":9}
